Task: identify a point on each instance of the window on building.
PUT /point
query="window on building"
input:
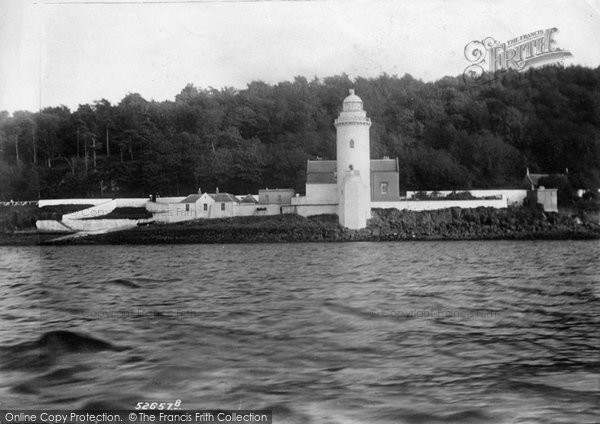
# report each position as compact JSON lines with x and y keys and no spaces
{"x":352,"y":144}
{"x":187,"y":207}
{"x":384,"y":188}
{"x":267,"y":198}
{"x":206,"y":206}
{"x":279,"y":197}
{"x":222,"y":206}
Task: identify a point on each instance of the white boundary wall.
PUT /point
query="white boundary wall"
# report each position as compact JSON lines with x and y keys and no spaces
{"x":52,"y":226}
{"x":94,"y":211}
{"x":310,"y":210}
{"x":106,"y":208}
{"x":512,"y":196}
{"x":249,"y":209}
{"x":101,"y":224}
{"x":157,"y":207}
{"x":131,"y":202}
{"x":55,"y":202}
{"x":427,"y":205}
{"x":169,"y":199}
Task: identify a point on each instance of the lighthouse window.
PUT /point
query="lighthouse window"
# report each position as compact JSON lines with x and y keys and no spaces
{"x":384,"y":188}
{"x":352,"y":144}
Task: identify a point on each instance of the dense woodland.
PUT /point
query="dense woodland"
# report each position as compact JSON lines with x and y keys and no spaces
{"x":448,"y":134}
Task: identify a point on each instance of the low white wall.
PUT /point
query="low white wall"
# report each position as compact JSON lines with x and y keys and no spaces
{"x":51,"y":226}
{"x":258,"y":209}
{"x":157,"y":207}
{"x":175,"y":212}
{"x":512,"y":196}
{"x":54,"y":202}
{"x":309,"y":210}
{"x":305,"y":200}
{"x":98,"y":210}
{"x":270,"y":209}
{"x":107,"y":207}
{"x":169,"y":199}
{"x":100,"y":224}
{"x":427,"y":205}
{"x":131,"y":203}
{"x":246,"y":209}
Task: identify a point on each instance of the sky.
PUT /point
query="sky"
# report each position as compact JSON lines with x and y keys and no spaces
{"x":71,"y":52}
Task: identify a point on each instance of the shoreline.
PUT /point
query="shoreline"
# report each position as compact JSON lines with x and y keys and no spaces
{"x":453,"y":224}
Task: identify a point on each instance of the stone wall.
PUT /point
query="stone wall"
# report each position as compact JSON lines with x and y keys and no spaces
{"x":427,"y":205}
{"x":514,"y":197}
{"x":55,"y":202}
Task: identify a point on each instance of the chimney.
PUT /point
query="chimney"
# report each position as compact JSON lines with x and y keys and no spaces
{"x":217,"y":190}
{"x":527,"y":171}
{"x":199,"y":190}
{"x":351,"y":91}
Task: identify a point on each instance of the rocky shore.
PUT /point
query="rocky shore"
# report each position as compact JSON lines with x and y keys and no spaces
{"x":386,"y":225}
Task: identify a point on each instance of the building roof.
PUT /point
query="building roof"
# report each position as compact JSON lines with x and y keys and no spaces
{"x":384,"y":165}
{"x":324,"y":171}
{"x":192,"y":198}
{"x":534,"y":179}
{"x":248,"y":199}
{"x":352,"y":98}
{"x":223,"y":197}
{"x":321,"y":172}
{"x":268,"y":190}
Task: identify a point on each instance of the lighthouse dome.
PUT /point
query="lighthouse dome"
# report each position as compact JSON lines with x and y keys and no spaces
{"x":352,"y":102}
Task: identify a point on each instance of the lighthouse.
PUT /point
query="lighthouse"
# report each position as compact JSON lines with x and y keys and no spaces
{"x":353,"y":164}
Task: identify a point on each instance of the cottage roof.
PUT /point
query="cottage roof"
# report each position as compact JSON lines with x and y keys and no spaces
{"x":272,"y":190}
{"x":192,"y":198}
{"x":224,"y":197}
{"x":248,"y":199}
{"x":534,"y":179}
{"x":384,"y":165}
{"x":324,"y":171}
{"x":321,"y":172}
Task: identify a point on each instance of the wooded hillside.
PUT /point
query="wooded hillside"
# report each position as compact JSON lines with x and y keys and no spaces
{"x":446,"y":135}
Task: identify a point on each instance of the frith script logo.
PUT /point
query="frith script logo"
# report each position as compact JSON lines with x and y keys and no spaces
{"x":526,"y":51}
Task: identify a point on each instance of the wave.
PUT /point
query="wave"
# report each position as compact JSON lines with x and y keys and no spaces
{"x":137,"y":282}
{"x":43,"y":351}
{"x":364,"y":314}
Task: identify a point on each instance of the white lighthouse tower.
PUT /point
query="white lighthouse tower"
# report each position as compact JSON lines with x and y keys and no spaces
{"x":353,"y":164}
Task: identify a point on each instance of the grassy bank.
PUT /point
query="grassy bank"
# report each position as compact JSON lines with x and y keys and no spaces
{"x":386,"y":225}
